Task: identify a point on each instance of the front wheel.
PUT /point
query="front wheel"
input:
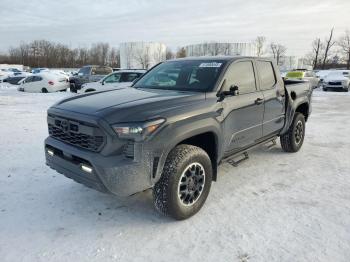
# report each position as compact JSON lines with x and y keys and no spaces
{"x":294,"y":138}
{"x":185,"y":182}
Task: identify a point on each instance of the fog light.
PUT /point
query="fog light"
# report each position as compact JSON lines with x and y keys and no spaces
{"x":50,"y":152}
{"x":85,"y":168}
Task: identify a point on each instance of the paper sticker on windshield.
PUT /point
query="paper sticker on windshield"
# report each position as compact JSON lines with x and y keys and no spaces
{"x":213,"y":64}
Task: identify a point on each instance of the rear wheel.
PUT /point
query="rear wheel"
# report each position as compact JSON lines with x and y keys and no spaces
{"x":294,"y":138}
{"x":325,"y":89}
{"x":44,"y":90}
{"x":185,"y":182}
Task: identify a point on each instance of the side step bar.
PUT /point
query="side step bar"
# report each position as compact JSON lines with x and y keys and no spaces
{"x":232,"y":161}
{"x":239,"y":157}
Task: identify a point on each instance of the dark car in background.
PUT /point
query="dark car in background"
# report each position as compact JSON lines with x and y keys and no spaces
{"x":13,"y":80}
{"x":88,"y":74}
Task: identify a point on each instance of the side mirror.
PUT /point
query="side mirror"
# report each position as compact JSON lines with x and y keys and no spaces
{"x":233,"y":91}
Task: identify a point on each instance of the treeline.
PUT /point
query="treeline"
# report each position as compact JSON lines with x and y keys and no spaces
{"x":42,"y":53}
{"x":330,"y":52}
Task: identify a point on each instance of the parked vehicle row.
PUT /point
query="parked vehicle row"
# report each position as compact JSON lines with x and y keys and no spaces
{"x":118,"y":79}
{"x":88,"y":74}
{"x":45,"y":82}
{"x":304,"y":75}
{"x":337,"y":80}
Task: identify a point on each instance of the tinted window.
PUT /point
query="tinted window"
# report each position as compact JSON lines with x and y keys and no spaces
{"x":184,"y":75}
{"x":84,"y":70}
{"x":37,"y":78}
{"x":267,"y":74}
{"x":129,"y":77}
{"x":29,"y":79}
{"x":241,"y":74}
{"x":114,"y":78}
{"x":101,"y":71}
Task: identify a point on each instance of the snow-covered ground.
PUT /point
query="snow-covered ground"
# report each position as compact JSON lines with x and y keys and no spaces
{"x":274,"y":207}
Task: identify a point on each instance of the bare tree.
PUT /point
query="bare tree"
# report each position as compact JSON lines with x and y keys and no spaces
{"x":260,"y":45}
{"x":225,"y":49}
{"x":181,"y":52}
{"x":278,"y":51}
{"x":113,"y":59}
{"x":215,"y":49}
{"x":142,"y":56}
{"x":344,"y":44}
{"x":169,"y":54}
{"x":328,"y":45}
{"x":158,"y":55}
{"x":316,"y":49}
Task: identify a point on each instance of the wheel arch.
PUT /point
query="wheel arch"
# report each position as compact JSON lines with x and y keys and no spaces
{"x":193,"y":136}
{"x":303,"y":108}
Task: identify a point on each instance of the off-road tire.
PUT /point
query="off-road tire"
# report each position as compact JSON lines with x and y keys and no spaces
{"x":165,"y":191}
{"x":291,"y":142}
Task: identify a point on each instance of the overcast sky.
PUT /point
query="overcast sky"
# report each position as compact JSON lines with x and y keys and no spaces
{"x":175,"y":23}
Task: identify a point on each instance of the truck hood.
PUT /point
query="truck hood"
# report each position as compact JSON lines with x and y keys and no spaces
{"x":128,"y":104}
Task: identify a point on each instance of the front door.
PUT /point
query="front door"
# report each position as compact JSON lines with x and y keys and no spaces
{"x":243,"y":114}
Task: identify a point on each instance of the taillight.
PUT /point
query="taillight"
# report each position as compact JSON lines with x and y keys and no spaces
{"x":51,"y":83}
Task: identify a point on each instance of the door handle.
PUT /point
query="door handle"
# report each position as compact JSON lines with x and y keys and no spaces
{"x":259,"y":101}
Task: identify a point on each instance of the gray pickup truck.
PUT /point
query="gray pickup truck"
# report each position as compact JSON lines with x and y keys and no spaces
{"x":88,"y":74}
{"x":174,"y":126}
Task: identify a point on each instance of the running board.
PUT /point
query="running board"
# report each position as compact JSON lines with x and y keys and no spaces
{"x":273,"y":143}
{"x":240,"y":158}
{"x":243,"y":155}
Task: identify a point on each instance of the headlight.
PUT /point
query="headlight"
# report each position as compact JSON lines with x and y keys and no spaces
{"x":345,"y":82}
{"x":137,"y":131}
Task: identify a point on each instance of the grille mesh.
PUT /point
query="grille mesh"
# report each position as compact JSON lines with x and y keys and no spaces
{"x":73,"y":136}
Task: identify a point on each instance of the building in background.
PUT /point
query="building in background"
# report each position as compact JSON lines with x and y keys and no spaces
{"x":221,"y":49}
{"x":288,"y":63}
{"x":141,"y":55}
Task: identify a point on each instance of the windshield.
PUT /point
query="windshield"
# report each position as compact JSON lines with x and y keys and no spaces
{"x":183,"y":75}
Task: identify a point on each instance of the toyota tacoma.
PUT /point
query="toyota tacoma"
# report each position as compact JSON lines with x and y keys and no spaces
{"x":174,"y":126}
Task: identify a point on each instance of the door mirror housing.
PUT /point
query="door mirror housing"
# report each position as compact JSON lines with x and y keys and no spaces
{"x":233,"y":91}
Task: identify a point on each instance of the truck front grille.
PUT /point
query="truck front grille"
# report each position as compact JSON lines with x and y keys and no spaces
{"x":76,"y":133}
{"x":335,"y":83}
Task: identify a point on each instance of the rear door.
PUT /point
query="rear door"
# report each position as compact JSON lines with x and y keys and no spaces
{"x":243,"y":114}
{"x":274,"y":97}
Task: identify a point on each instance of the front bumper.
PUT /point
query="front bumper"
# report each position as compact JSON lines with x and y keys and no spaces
{"x":114,"y":174}
{"x":334,"y":87}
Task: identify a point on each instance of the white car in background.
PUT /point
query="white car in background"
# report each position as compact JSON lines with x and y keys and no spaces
{"x":118,"y":79}
{"x":11,"y":72}
{"x":337,"y":80}
{"x":44,"y":83}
